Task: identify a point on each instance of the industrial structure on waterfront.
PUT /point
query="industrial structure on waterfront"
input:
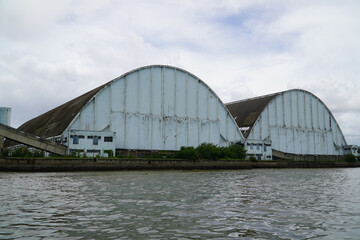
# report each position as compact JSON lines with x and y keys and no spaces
{"x":162,"y":108}
{"x":298,"y":124}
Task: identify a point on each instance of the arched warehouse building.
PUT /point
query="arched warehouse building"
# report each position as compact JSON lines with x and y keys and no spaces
{"x":150,"y":108}
{"x":295,"y":121}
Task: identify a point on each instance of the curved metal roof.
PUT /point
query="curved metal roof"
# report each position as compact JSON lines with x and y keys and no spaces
{"x":55,"y":121}
{"x":245,"y":112}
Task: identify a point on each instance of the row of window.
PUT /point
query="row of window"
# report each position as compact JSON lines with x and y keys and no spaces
{"x":72,"y":151}
{"x":94,"y":138}
{"x":258,"y":146}
{"x":82,"y":136}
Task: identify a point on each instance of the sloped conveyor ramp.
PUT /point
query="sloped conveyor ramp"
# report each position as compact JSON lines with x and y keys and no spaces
{"x":30,"y":140}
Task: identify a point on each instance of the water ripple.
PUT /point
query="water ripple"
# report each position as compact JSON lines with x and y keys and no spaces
{"x":251,"y":204}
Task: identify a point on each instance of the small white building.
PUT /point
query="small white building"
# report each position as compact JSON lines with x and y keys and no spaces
{"x":260,"y":149}
{"x":90,"y":143}
{"x":351,"y":149}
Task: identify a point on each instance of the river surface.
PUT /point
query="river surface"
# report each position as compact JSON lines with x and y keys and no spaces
{"x":241,"y":204}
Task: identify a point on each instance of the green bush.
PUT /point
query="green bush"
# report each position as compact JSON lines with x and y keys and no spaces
{"x":209,"y":151}
{"x":234,"y":152}
{"x":39,"y":153}
{"x":110,"y":153}
{"x":6,"y":152}
{"x":350,"y":158}
{"x":187,"y":153}
{"x":155,"y":155}
{"x":22,"y":152}
{"x":252,"y":159}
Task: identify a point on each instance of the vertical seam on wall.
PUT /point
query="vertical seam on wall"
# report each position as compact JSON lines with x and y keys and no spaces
{"x":111,"y":107}
{"x":175,"y":113}
{"x":197,"y":109}
{"x":208,"y":114}
{"x":139,"y":116}
{"x":125,"y":109}
{"x":151,"y":109}
{"x":163,"y":107}
{"x":186,"y":109}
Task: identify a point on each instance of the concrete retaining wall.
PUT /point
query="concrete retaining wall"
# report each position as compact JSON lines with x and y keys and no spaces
{"x":34,"y":165}
{"x":54,"y":165}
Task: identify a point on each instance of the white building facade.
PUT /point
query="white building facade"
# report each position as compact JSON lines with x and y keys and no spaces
{"x":295,"y":121}
{"x":152,"y":108}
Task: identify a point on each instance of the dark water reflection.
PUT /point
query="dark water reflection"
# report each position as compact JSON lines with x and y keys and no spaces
{"x":251,"y":204}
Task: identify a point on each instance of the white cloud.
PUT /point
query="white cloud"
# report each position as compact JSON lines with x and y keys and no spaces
{"x":56,"y":50}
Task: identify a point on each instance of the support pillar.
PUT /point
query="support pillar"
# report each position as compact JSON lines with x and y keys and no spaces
{"x":1,"y":145}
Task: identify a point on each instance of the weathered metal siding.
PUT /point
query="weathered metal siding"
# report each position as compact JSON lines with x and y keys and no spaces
{"x":298,"y":122}
{"x":159,"y":108}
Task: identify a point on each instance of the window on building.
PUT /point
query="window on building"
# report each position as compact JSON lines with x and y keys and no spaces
{"x":71,"y":136}
{"x":108,"y":139}
{"x":251,"y":146}
{"x":75,"y":139}
{"x":93,"y":151}
{"x":257,"y":146}
{"x":264,"y":147}
{"x":81,"y":136}
{"x":90,"y":137}
{"x":99,"y":137}
{"x":95,"y":140}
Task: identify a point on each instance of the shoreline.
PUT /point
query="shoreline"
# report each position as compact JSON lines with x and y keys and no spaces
{"x":114,"y":164}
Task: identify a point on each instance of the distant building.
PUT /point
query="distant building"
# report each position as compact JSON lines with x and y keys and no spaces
{"x":5,"y":115}
{"x":352,"y":149}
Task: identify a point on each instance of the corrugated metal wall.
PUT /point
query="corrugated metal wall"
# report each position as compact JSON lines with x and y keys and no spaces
{"x":159,"y":108}
{"x":298,"y":122}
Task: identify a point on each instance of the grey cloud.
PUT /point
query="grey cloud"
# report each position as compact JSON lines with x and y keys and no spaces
{"x":57,"y":50}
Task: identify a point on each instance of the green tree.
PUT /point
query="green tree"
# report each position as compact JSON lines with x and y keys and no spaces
{"x":22,"y":152}
{"x":209,"y":151}
{"x":39,"y":153}
{"x":6,"y":152}
{"x":234,"y":152}
{"x":350,"y":158}
{"x":187,"y":153}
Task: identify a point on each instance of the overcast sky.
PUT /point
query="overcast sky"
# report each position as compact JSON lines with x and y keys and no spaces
{"x":53,"y":51}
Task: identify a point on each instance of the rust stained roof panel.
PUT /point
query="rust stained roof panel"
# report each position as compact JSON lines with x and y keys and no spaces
{"x":245,"y":112}
{"x":55,"y":121}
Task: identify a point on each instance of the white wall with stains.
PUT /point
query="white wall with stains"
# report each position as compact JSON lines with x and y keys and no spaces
{"x":158,"y":108}
{"x":298,"y":122}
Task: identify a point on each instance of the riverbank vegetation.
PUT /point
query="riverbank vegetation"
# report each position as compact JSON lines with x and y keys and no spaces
{"x":211,"y":152}
{"x":350,"y":158}
{"x":23,"y":152}
{"x":205,"y":151}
